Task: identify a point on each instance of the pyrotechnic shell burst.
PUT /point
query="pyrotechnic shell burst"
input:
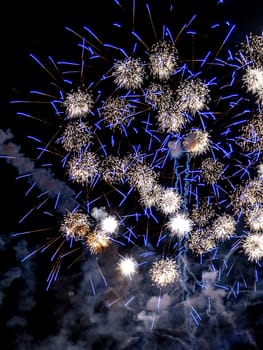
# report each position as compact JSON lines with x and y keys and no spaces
{"x":149,"y":152}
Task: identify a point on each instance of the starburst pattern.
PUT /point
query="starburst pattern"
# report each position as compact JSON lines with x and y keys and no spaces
{"x":211,"y":170}
{"x":224,"y":227}
{"x":254,"y":218}
{"x":75,"y":226}
{"x":78,"y":104}
{"x":76,"y":135}
{"x":196,"y":142}
{"x":117,"y":112}
{"x":253,"y":246}
{"x":164,"y":272}
{"x":193,"y":96}
{"x":97,"y":242}
{"x":251,"y":138}
{"x":159,"y":157}
{"x":83,"y":169}
{"x":179,"y":225}
{"x":202,"y":241}
{"x":127,"y":266}
{"x":129,"y":73}
{"x":163,"y":60}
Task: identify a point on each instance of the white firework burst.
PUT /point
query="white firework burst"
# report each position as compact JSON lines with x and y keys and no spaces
{"x":77,"y":135}
{"x":83,"y":169}
{"x":193,"y":96}
{"x":159,"y":95}
{"x":253,"y":81}
{"x":179,"y":225}
{"x":252,"y":247}
{"x":127,"y":266}
{"x":211,"y":170}
{"x":142,"y":177}
{"x":170,"y":119}
{"x":149,"y":196}
{"x":248,"y":195}
{"x":78,"y":104}
{"x":252,"y":50}
{"x":203,"y":213}
{"x":224,"y":227}
{"x":196,"y":142}
{"x":163,"y":60}
{"x":129,"y":73}
{"x":109,"y":225}
{"x":164,"y":272}
{"x":251,"y":138}
{"x":254,"y":218}
{"x":114,"y":169}
{"x":169,"y":201}
{"x":201,"y":241}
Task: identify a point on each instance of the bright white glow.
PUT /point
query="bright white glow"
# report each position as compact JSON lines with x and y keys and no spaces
{"x":170,"y":201}
{"x":109,"y":224}
{"x":179,"y":225}
{"x":127,"y":266}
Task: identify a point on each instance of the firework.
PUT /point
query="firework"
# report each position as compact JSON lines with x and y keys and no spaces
{"x":253,"y":81}
{"x":252,"y":247}
{"x":224,"y":227}
{"x":78,"y":104}
{"x":196,"y":142}
{"x":248,"y":195}
{"x":129,"y":73}
{"x":211,"y":170}
{"x":164,"y":272}
{"x":117,"y":112}
{"x":160,"y":152}
{"x":163,"y":60}
{"x":193,"y":96}
{"x":83,"y":169}
{"x":179,"y":225}
{"x":75,"y":226}
{"x":202,"y":241}
{"x":127,"y":266}
{"x":109,"y":225}
{"x":252,"y":49}
{"x":254,"y":218}
{"x":97,"y":242}
{"x":76,"y":135}
{"x":252,"y":134}
{"x":114,"y":169}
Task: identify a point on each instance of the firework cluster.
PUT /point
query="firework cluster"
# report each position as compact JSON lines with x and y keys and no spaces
{"x":163,"y":152}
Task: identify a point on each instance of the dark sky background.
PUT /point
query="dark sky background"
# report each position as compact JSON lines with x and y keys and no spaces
{"x":68,"y":316}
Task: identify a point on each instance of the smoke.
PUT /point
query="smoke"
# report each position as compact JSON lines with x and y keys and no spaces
{"x":88,"y":311}
{"x":43,"y":178}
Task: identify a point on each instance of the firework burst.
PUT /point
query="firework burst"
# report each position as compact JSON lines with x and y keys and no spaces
{"x":149,"y":150}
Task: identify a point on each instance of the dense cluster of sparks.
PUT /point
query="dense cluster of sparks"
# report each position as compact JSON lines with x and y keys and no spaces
{"x":146,"y":159}
{"x":164,"y":272}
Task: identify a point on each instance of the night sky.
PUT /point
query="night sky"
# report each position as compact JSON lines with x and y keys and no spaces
{"x":89,"y":306}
